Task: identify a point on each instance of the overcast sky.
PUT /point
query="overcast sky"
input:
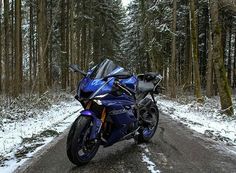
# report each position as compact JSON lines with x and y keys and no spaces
{"x":125,"y":2}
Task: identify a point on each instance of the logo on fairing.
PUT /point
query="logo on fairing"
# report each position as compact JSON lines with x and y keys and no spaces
{"x":95,"y":83}
{"x":120,"y":111}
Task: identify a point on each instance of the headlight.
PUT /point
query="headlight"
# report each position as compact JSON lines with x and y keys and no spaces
{"x":99,"y":102}
{"x":97,"y":98}
{"x":100,"y":96}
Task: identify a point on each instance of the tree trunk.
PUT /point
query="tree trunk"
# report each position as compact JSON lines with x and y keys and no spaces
{"x":173,"y":54}
{"x":67,"y":42}
{"x":209,"y":82}
{"x":6,"y":47}
{"x":46,"y":38}
{"x":18,"y":51}
{"x":234,"y":69}
{"x":195,"y":52}
{"x":72,"y":44}
{"x":31,"y":41}
{"x":222,"y":82}
{"x":78,"y":39}
{"x":63,"y":46}
{"x":188,"y":56}
{"x":90,"y":35}
{"x":42,"y":45}
{"x":12,"y":47}
{"x":203,"y":58}
{"x":229,"y":56}
{"x":83,"y":37}
{"x":0,"y":47}
{"x":50,"y":45}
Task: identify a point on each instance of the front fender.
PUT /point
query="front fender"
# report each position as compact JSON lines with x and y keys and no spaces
{"x":97,"y":123}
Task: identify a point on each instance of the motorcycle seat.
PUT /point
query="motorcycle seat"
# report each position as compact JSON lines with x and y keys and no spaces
{"x":150,"y":76}
{"x":147,"y":81}
{"x":144,"y":86}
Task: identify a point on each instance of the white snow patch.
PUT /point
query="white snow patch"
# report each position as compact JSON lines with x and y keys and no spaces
{"x":144,"y":146}
{"x":58,"y":118}
{"x":151,"y":166}
{"x":204,"y":118}
{"x":125,"y":2}
{"x":12,"y":164}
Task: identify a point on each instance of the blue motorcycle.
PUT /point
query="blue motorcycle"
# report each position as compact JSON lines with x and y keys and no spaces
{"x":117,"y":106}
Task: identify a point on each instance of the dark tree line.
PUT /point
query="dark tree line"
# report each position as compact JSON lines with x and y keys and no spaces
{"x":40,"y":38}
{"x":192,"y":43}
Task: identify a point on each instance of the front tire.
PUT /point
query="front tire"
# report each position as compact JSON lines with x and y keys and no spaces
{"x":80,"y":150}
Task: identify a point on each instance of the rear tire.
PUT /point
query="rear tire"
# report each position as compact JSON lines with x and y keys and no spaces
{"x":77,"y":141}
{"x":147,"y":130}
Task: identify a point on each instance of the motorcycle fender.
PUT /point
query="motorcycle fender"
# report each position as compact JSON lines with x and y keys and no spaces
{"x":97,"y":123}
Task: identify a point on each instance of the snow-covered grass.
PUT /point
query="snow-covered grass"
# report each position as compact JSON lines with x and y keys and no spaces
{"x":21,"y":138}
{"x":204,"y":118}
{"x":25,"y":106}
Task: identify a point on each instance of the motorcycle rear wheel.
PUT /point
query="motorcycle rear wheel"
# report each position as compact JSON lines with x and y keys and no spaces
{"x":147,"y":130}
{"x":79,"y":149}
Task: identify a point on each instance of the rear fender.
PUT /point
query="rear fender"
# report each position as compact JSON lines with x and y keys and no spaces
{"x":97,"y":123}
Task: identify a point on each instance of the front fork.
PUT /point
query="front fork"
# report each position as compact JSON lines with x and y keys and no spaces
{"x":97,"y":123}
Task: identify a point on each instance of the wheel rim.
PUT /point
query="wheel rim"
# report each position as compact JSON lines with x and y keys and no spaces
{"x":85,"y":148}
{"x":149,"y":128}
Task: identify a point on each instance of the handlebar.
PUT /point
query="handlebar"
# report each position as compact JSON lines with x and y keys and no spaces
{"x":158,"y":89}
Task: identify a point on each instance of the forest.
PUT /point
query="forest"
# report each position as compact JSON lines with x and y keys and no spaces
{"x":192,"y":43}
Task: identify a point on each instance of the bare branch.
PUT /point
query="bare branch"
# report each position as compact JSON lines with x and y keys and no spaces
{"x":229,"y":5}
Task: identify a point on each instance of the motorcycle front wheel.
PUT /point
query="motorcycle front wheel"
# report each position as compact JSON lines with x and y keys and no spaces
{"x":80,"y":150}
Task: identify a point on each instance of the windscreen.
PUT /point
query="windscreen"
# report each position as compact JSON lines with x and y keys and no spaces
{"x":103,"y":69}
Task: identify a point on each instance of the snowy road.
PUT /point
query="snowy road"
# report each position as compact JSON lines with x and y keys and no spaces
{"x":174,"y":148}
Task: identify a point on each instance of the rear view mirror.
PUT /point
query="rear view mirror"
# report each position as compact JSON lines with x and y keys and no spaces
{"x":75,"y":68}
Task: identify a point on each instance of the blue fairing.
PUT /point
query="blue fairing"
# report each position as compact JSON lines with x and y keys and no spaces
{"x":97,"y":123}
{"x":102,"y":87}
{"x":111,"y":100}
{"x":130,"y":82}
{"x":89,"y":85}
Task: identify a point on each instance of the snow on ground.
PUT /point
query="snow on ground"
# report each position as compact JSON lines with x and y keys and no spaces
{"x":204,"y":118}
{"x":151,"y":166}
{"x":20,"y":140}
